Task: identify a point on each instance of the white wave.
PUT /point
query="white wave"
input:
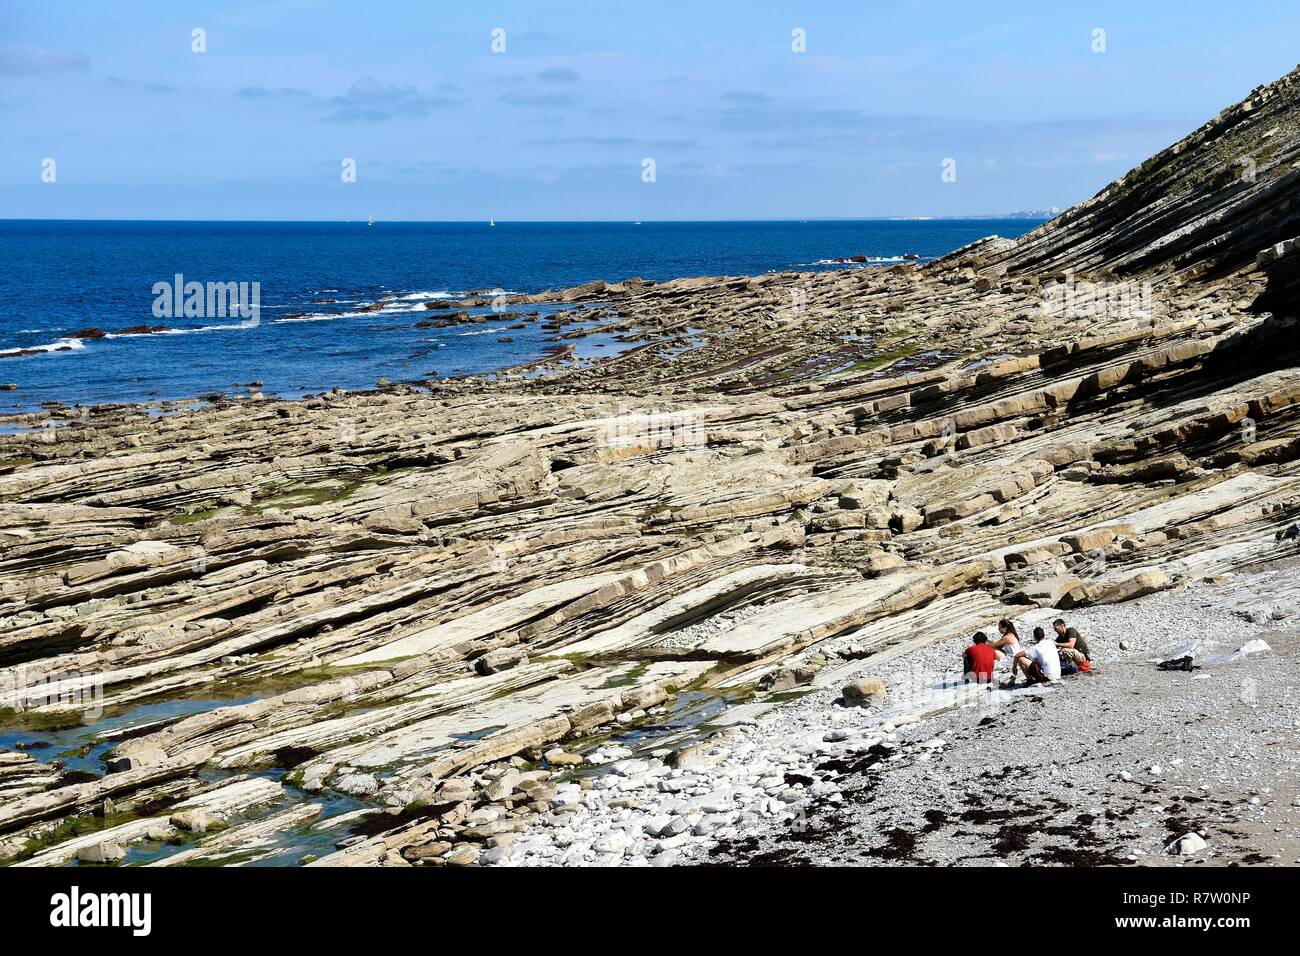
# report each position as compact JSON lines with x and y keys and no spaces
{"x":846,"y":262}
{"x":481,"y":331}
{"x":403,"y":309}
{"x":420,"y":296}
{"x":300,"y":306}
{"x":390,"y":307}
{"x":234,"y":327}
{"x":317,"y":317}
{"x":323,"y":316}
{"x":60,"y":346}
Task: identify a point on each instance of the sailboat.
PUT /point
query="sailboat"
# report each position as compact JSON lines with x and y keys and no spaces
{"x":372,"y":220}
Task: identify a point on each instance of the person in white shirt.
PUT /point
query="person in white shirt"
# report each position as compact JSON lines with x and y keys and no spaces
{"x":1008,"y":641}
{"x":1040,"y":661}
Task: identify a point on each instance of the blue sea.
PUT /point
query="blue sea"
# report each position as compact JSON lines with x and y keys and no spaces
{"x":315,"y":279}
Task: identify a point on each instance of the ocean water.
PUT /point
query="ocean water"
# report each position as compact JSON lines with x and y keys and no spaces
{"x":64,"y":277}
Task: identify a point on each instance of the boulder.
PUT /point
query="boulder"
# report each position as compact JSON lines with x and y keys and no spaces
{"x":1034,"y":555}
{"x":986,"y":436}
{"x":463,"y":855}
{"x":1096,"y":538}
{"x":904,"y":518}
{"x":1187,"y":845}
{"x":501,"y":788}
{"x":455,"y":790}
{"x":106,"y":853}
{"x":877,"y":517}
{"x":694,"y":757}
{"x":429,"y":850}
{"x":358,"y":784}
{"x":500,"y":660}
{"x":839,"y":521}
{"x":1140,"y":585}
{"x":195,"y":821}
{"x":867,"y":692}
{"x":1046,"y":592}
{"x":787,"y":678}
{"x":864,"y":494}
{"x":558,"y":758}
{"x":1257,"y":646}
{"x":882,"y":561}
{"x":127,"y":758}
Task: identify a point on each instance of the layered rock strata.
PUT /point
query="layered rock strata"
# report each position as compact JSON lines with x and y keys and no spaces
{"x":429,"y":597}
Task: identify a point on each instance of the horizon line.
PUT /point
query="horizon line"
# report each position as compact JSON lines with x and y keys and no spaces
{"x":1023,"y":216}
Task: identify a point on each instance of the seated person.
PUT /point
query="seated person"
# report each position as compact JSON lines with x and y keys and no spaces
{"x":1071,"y":646}
{"x":977,"y":660}
{"x":1007,"y":643}
{"x":1040,"y":663}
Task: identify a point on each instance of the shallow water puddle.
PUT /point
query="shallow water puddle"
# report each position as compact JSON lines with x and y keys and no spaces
{"x":82,"y":743}
{"x":83,"y":747}
{"x":688,"y":718}
{"x":281,"y":848}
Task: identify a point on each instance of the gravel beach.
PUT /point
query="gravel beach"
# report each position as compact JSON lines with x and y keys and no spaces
{"x":1109,"y":768}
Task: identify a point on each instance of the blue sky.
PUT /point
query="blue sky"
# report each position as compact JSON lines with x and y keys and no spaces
{"x":557,"y":126}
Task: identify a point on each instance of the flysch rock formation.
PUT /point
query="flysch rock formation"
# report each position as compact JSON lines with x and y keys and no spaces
{"x":403,"y":626}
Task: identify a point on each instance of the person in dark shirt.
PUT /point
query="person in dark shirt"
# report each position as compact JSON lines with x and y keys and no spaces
{"x":977,"y":660}
{"x":1071,"y":645}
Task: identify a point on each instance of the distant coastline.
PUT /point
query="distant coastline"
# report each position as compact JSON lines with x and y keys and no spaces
{"x":1019,"y":214}
{"x":350,"y":305}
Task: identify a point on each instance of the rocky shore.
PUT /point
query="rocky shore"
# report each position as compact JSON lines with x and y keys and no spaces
{"x":1112,"y":768}
{"x":601,"y":612}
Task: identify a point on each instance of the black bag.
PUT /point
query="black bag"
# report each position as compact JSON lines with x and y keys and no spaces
{"x":1183,"y":663}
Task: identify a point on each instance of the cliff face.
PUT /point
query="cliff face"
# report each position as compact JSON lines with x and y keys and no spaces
{"x":783,"y":477}
{"x":1204,"y":207}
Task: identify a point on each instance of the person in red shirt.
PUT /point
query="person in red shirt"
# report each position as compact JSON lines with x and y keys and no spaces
{"x":978,"y":659}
